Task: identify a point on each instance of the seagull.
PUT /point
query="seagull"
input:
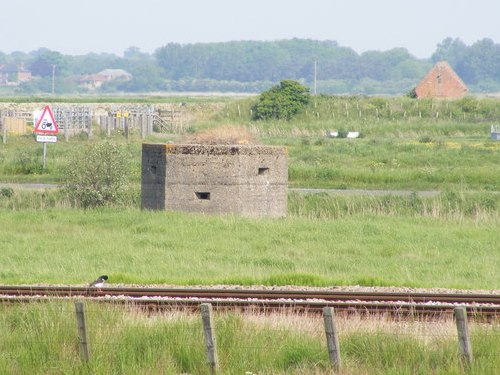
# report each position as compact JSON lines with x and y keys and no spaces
{"x":99,"y":281}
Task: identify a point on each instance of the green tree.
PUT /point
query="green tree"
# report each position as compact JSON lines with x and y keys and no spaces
{"x":281,"y":102}
{"x":48,"y":62}
{"x":97,"y":175}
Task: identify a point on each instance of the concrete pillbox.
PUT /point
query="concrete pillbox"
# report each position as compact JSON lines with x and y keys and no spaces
{"x":248,"y":180}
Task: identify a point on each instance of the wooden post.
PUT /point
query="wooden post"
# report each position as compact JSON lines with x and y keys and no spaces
{"x":463,"y":335}
{"x":108,"y":125}
{"x":90,"y":128}
{"x":209,"y":333}
{"x":140,"y":121}
{"x":332,"y":339}
{"x":82,"y":331}
{"x":150,"y":124}
{"x":4,"y":128}
{"x":66,"y":128}
{"x":125,"y":126}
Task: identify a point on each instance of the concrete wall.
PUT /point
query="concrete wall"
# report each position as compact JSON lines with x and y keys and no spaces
{"x":248,"y":180}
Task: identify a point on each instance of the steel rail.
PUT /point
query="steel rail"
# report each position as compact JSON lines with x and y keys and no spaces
{"x":481,"y":306}
{"x":260,"y":294}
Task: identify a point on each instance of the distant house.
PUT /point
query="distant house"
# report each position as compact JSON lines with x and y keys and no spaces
{"x":112,"y":74}
{"x":441,"y":82}
{"x":95,"y":81}
{"x":92,"y":81}
{"x":13,"y":75}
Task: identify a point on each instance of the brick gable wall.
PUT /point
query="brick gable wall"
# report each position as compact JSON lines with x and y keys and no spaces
{"x":441,"y":82}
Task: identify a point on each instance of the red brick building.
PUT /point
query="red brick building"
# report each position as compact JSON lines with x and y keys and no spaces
{"x":13,"y":75}
{"x":441,"y":82}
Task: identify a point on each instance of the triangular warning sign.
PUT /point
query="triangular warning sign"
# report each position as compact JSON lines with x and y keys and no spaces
{"x":46,"y":123}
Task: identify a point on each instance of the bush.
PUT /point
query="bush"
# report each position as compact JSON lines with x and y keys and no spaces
{"x":97,"y":175}
{"x":281,"y":102}
{"x":6,"y":192}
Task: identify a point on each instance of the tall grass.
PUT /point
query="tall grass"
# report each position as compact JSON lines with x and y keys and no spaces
{"x":42,"y":339}
{"x":448,"y":204}
{"x":455,"y":205}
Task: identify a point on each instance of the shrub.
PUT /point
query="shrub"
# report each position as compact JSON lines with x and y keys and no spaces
{"x":425,"y":139}
{"x":281,"y":102}
{"x":97,"y":175}
{"x":6,"y":192}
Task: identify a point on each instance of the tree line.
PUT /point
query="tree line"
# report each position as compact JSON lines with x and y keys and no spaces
{"x":254,"y":66}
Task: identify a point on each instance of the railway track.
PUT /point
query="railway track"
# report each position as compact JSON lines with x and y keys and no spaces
{"x":479,"y":306}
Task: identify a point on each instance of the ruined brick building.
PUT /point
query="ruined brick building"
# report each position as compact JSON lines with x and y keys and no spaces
{"x":441,"y":82}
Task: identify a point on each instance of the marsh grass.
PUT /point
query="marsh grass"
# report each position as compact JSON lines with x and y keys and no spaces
{"x":41,"y":338}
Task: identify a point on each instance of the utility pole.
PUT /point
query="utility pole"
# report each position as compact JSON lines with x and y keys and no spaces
{"x":53,"y":77}
{"x":315,"y":74}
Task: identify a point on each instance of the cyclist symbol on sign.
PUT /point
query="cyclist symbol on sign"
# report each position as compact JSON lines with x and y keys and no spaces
{"x":46,"y":124}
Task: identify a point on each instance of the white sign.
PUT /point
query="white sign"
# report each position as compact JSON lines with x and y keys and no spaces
{"x":46,"y":138}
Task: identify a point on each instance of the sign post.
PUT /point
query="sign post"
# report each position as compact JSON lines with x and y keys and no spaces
{"x":46,"y":130}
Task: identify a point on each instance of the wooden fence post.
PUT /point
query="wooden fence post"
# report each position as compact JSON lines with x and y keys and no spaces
{"x":108,"y":125}
{"x":209,"y":333}
{"x":463,"y":335}
{"x":89,"y":132}
{"x":66,"y":128}
{"x":125,"y":124}
{"x":140,"y":119}
{"x":150,"y":124}
{"x":4,"y":129}
{"x":332,"y":339}
{"x":82,"y":331}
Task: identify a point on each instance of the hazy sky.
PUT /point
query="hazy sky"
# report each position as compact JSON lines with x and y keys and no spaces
{"x":81,"y":26}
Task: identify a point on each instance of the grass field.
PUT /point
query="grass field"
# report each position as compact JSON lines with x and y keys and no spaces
{"x":133,"y":246}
